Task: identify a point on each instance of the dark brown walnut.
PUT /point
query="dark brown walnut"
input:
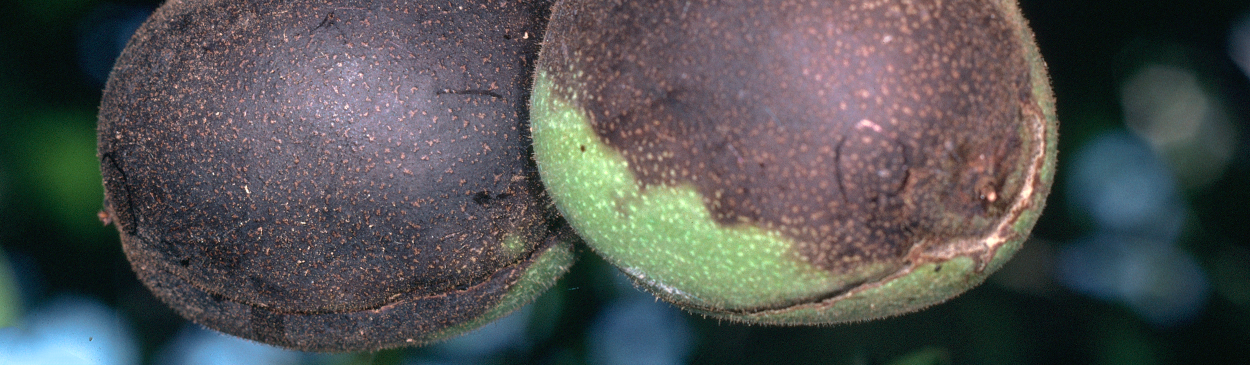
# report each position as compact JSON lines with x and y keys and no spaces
{"x":865,"y":132}
{"x":330,"y":175}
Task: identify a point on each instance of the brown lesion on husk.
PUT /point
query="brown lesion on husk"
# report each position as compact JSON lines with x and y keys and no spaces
{"x":861,"y":129}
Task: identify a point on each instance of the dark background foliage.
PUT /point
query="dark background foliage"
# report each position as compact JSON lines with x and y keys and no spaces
{"x":1142,"y":255}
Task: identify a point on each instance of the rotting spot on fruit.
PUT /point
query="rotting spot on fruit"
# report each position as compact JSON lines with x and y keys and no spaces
{"x":296,"y":172}
{"x":796,"y":162}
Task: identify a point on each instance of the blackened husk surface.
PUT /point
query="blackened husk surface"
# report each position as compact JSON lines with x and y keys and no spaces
{"x":861,"y":129}
{"x":318,"y":158}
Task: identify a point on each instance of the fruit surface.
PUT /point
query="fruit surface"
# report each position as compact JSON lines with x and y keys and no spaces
{"x":330,"y":175}
{"x":796,"y":162}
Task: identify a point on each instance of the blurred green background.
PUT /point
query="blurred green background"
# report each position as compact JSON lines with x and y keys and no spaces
{"x":1142,"y":255}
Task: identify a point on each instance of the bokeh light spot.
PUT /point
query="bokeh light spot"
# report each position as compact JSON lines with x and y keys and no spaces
{"x":195,"y":345}
{"x":1162,"y":284}
{"x":1131,"y":257}
{"x":70,"y":330}
{"x":1123,"y":186}
{"x":1169,"y":108}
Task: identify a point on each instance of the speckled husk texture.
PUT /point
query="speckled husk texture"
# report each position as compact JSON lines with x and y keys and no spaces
{"x":331,"y":175}
{"x":796,"y":162}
